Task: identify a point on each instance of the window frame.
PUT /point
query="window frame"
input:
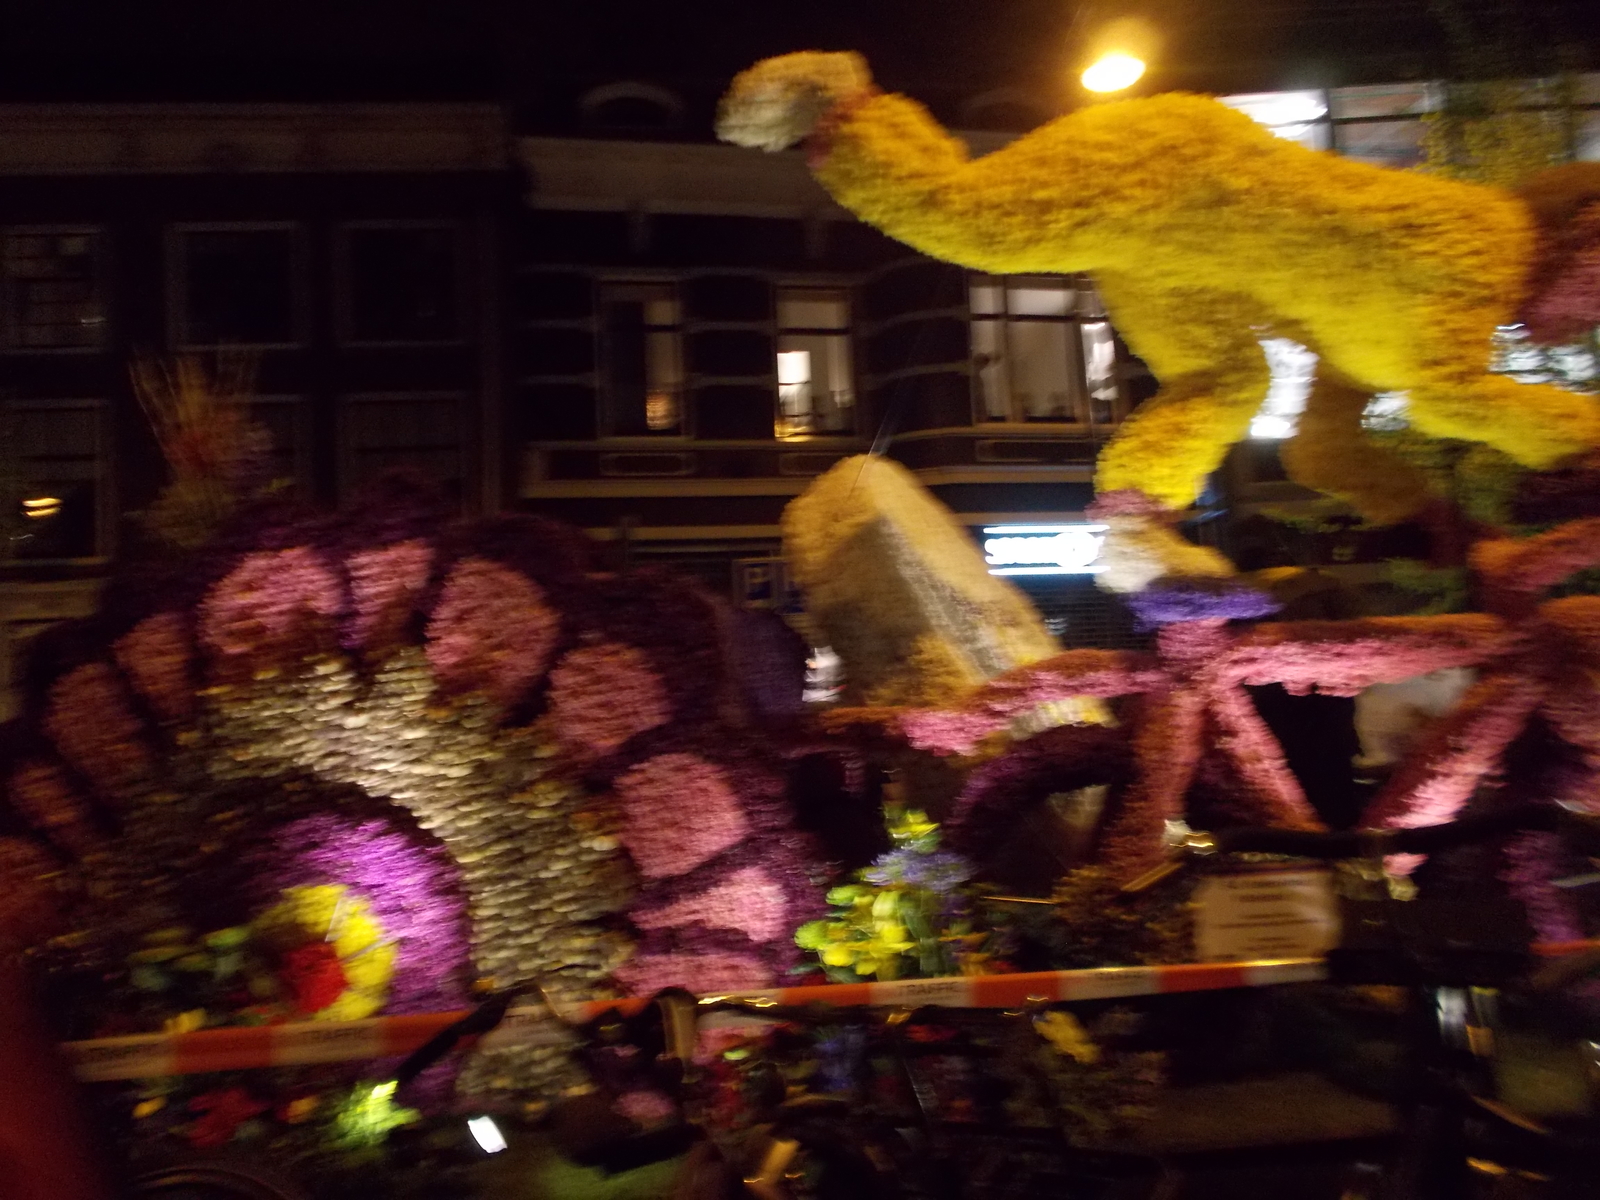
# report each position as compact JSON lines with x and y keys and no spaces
{"x":105,"y":501}
{"x":606,"y":423}
{"x":102,"y":283}
{"x":346,"y":486}
{"x":344,"y":281}
{"x":1076,"y":320}
{"x":178,"y":278}
{"x":848,"y":331}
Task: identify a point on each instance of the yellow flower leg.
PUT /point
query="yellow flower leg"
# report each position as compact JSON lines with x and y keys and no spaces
{"x":1331,"y":453}
{"x":1535,"y":423}
{"x":1213,"y":375}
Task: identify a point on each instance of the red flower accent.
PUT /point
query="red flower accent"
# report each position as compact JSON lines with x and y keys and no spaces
{"x":314,"y":975}
{"x":224,"y":1111}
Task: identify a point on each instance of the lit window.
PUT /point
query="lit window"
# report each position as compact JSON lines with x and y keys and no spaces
{"x":642,"y":335}
{"x":404,"y":285}
{"x":816,"y":391}
{"x":236,"y":287}
{"x":1042,"y":350}
{"x":50,"y":470}
{"x":51,"y":283}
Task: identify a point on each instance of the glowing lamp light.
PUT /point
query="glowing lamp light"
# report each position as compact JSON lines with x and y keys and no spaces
{"x":487,"y":1134}
{"x":39,"y":507}
{"x":1112,"y":72}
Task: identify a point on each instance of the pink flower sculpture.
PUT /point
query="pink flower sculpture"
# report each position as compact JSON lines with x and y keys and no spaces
{"x":750,"y":900}
{"x":492,"y":631}
{"x":1568,"y":309}
{"x":41,"y":794}
{"x":89,"y":721}
{"x":1536,"y":660}
{"x":158,"y":660}
{"x":28,"y":908}
{"x":707,"y":973}
{"x":602,"y":695}
{"x":643,"y":697}
{"x":271,"y":606}
{"x":385,"y":585}
{"x":679,"y":811}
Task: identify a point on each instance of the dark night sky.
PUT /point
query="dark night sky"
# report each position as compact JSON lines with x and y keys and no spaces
{"x":313,"y":49}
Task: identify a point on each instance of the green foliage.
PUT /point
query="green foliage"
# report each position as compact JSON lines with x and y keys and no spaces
{"x":1438,"y":589}
{"x":1096,"y":924}
{"x":1498,"y":131}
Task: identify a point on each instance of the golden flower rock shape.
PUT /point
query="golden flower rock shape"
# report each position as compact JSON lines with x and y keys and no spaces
{"x":900,"y":590}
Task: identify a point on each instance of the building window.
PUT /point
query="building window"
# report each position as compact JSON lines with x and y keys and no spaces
{"x":420,"y":434}
{"x":642,"y":352}
{"x":816,"y":390}
{"x":52,"y":455}
{"x":237,"y":286}
{"x":50,"y":280}
{"x":1042,"y":350}
{"x":404,"y":284}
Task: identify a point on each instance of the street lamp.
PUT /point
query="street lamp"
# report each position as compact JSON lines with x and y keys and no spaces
{"x":1112,"y":72}
{"x":1118,"y":53}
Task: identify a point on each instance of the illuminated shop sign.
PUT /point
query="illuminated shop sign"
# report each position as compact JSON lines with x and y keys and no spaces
{"x":1042,"y":549}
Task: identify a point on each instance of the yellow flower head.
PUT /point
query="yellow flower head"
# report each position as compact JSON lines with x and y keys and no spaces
{"x":333,"y":913}
{"x":1062,"y":1031}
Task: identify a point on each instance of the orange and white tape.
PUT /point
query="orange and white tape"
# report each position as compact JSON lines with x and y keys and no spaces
{"x":301,"y":1044}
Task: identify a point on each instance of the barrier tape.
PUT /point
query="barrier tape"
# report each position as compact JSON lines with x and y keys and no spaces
{"x":304,"y":1043}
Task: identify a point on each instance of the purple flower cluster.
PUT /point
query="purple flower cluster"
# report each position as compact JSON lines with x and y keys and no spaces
{"x":410,"y":883}
{"x":1197,"y":600}
{"x":939,"y":871}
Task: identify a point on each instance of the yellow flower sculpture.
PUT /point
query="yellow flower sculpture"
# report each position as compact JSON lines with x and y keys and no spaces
{"x":333,"y":915}
{"x":1205,"y":234}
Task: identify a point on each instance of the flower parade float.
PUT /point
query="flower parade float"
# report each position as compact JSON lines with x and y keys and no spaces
{"x":1205,"y":233}
{"x":334,"y":768}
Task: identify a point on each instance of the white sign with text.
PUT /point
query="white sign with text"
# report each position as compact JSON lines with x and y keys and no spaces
{"x":1266,"y":914}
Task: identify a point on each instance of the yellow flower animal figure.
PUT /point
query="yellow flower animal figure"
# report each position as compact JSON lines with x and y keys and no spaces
{"x":1205,"y":234}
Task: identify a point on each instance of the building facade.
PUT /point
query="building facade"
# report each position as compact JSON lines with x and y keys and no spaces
{"x":655,"y":338}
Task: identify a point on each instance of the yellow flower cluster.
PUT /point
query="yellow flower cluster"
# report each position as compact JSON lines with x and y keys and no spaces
{"x":1332,"y":454}
{"x":868,"y":936}
{"x":1206,"y":233}
{"x":333,"y":913}
{"x":1063,"y":1031}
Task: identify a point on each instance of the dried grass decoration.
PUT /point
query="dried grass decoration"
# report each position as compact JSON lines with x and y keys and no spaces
{"x":218,"y":455}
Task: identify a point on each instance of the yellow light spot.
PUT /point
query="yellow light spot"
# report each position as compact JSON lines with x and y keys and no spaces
{"x":149,"y":1108}
{"x":39,"y":507}
{"x":1112,"y":72}
{"x":185,"y":1022}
